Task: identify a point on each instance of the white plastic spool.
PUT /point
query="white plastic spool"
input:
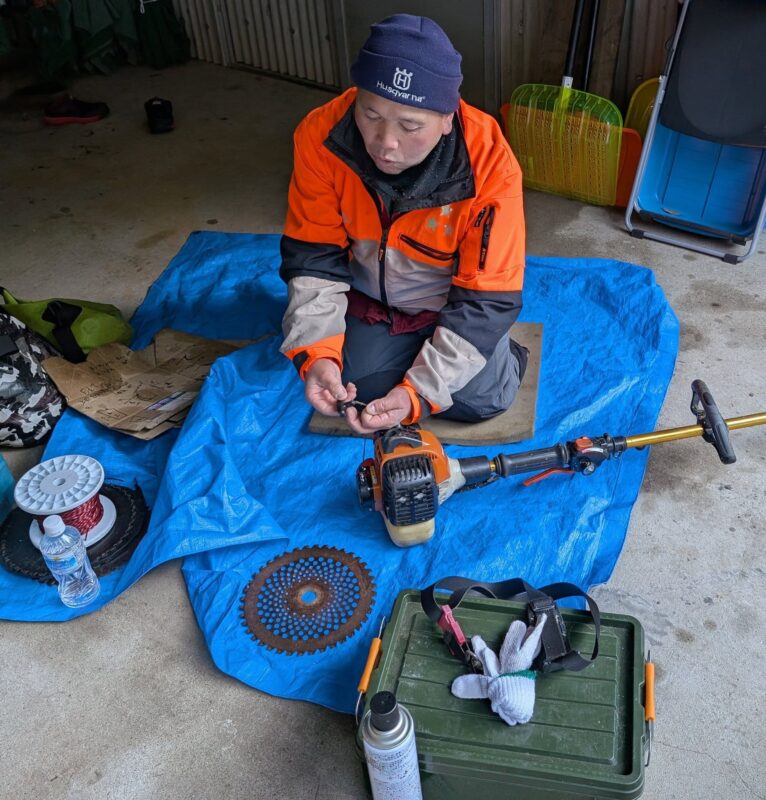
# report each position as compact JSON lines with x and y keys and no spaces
{"x":59,"y":485}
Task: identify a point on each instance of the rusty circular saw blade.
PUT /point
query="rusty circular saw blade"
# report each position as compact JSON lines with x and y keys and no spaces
{"x":19,"y":555}
{"x":308,"y":599}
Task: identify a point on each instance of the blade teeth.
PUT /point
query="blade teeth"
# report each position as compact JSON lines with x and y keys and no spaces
{"x":319,"y":643}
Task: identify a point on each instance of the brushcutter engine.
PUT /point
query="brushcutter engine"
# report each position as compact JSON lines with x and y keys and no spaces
{"x":402,"y":481}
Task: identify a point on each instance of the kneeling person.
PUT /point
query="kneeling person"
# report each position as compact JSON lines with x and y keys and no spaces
{"x":403,"y":248}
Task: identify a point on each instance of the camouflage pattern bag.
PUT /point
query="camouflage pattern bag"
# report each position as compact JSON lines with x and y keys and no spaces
{"x":30,"y":403}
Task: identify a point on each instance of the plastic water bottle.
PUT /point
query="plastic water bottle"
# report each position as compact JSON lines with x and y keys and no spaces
{"x":64,"y":553}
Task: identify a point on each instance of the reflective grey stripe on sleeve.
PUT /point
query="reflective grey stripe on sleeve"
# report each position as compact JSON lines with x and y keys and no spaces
{"x":445,"y":363}
{"x":316,"y":309}
{"x":364,"y":267}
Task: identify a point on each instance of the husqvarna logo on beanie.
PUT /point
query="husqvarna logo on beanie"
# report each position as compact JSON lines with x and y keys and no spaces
{"x":409,"y":59}
{"x":402,"y":79}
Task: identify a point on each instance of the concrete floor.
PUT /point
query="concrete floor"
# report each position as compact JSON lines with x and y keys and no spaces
{"x":125,"y":703}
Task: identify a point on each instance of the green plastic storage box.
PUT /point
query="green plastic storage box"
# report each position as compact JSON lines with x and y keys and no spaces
{"x":586,"y":739}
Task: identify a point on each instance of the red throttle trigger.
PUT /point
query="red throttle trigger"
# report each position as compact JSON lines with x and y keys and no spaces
{"x":541,"y":476}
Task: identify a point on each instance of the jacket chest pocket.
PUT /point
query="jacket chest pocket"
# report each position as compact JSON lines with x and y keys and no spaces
{"x":475,"y":247}
{"x":444,"y":257}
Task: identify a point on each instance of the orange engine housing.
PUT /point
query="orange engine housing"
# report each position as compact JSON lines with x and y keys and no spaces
{"x":398,"y":460}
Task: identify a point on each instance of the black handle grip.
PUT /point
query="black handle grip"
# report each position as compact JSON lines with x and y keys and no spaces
{"x":574,"y":37}
{"x":716,"y":431}
{"x":591,"y":44}
{"x":532,"y":460}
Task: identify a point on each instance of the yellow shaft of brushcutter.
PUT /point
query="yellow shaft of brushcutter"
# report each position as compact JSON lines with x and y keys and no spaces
{"x":689,"y":431}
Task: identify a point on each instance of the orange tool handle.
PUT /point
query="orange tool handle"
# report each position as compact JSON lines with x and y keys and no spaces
{"x":649,"y":678}
{"x":372,"y":661}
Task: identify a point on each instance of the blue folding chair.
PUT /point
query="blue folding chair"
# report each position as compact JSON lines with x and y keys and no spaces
{"x":703,"y":164}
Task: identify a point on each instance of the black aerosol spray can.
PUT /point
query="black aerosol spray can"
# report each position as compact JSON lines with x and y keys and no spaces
{"x":388,"y":735}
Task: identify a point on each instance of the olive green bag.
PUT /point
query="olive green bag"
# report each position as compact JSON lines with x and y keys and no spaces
{"x":75,"y":327}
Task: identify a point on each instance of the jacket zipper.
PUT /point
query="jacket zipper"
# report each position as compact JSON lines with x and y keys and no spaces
{"x":385,"y":222}
{"x":485,"y":237}
{"x":480,"y":217}
{"x":431,"y":252}
{"x":385,"y":225}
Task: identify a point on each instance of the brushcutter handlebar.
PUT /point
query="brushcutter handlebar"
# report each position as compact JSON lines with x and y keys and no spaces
{"x":714,"y":427}
{"x":584,"y":454}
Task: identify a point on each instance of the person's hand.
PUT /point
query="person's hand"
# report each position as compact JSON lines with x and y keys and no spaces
{"x":382,"y":413}
{"x":324,"y":387}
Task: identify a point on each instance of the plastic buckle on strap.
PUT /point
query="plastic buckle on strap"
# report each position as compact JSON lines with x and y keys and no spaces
{"x":554,"y":643}
{"x":540,"y":606}
{"x":455,"y":640}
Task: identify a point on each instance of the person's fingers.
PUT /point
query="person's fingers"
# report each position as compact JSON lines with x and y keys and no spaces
{"x":397,"y":403}
{"x":376,"y":422}
{"x":383,"y":406}
{"x":321,"y":399}
{"x":355,"y":423}
{"x":378,"y":419}
{"x":361,"y":422}
{"x":323,"y":407}
{"x":381,"y":413}
{"x":376,"y":407}
{"x":333,"y":385}
{"x":339,"y":392}
{"x":326,"y":374}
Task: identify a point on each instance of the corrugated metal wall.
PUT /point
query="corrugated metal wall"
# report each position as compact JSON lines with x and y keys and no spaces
{"x":291,"y":39}
{"x":523,"y":41}
{"x":203,"y":21}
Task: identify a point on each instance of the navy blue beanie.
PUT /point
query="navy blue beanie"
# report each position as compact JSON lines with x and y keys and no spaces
{"x":410,"y":60}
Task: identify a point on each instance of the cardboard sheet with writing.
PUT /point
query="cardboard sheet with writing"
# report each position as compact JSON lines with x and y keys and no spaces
{"x":142,"y":393}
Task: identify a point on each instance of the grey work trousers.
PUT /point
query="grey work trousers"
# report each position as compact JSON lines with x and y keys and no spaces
{"x":375,"y":362}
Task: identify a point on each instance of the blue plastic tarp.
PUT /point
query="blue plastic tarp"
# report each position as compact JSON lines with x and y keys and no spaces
{"x":244,"y":481}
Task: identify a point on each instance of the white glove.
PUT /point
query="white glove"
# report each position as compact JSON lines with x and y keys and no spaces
{"x":508,"y":684}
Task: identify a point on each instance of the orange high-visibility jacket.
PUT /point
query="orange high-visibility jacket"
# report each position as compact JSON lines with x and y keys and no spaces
{"x":458,"y":250}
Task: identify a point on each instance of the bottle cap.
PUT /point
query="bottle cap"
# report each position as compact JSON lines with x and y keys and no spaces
{"x":384,"y":711}
{"x":53,"y":525}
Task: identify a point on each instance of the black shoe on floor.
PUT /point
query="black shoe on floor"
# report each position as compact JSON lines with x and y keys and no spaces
{"x":68,"y":110}
{"x":159,"y":112}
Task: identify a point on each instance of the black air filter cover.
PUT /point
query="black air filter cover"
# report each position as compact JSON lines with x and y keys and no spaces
{"x":410,"y":494}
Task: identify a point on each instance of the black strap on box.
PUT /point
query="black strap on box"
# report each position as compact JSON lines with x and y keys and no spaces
{"x":556,"y":653}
